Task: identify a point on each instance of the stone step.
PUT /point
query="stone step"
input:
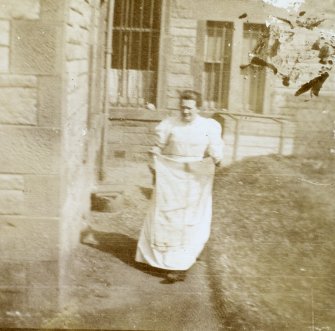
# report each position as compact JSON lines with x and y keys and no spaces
{"x":107,"y":200}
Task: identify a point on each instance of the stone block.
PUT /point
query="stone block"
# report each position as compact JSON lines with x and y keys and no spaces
{"x":77,"y":66}
{"x":13,"y":299}
{"x":183,"y":32}
{"x":4,"y":33}
{"x":77,"y":18}
{"x":24,"y":285}
{"x":42,"y":196}
{"x":76,"y":35}
{"x":107,"y":201}
{"x":18,"y":81}
{"x":35,"y":47}
{"x":184,"y":42}
{"x":4,"y":59}
{"x":76,"y":52}
{"x":183,"y":23}
{"x":11,"y":202}
{"x":30,"y":150}
{"x":49,"y":101}
{"x":144,"y":139}
{"x":81,"y":7}
{"x":11,"y":182}
{"x":181,"y":59}
{"x":123,"y":150}
{"x":184,"y":51}
{"x":76,"y":82}
{"x":29,"y":239}
{"x":27,"y":9}
{"x":38,"y":300}
{"x":12,"y":274}
{"x":18,"y":105}
{"x":180,"y":80}
{"x":52,"y":10}
{"x":42,"y":272}
{"x":115,"y":137}
{"x":173,"y":103}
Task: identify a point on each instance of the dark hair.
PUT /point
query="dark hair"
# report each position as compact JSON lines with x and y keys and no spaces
{"x":191,"y":95}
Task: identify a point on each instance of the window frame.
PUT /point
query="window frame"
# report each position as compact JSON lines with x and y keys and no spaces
{"x":154,"y":33}
{"x":235,"y":102}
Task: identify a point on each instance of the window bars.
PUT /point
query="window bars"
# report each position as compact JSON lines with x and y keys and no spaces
{"x":217,"y":64}
{"x":253,"y":82}
{"x":136,"y":32}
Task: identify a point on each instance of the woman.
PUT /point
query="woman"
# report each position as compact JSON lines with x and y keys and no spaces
{"x":178,"y":223}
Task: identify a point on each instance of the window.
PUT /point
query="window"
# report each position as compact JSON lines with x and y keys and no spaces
{"x":253,"y":82}
{"x":217,"y":64}
{"x":135,"y":43}
{"x":221,"y":67}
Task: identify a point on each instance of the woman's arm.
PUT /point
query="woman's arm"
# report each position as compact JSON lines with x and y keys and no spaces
{"x":216,"y":143}
{"x":162,"y":133}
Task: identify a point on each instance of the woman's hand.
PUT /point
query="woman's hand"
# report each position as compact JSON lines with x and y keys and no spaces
{"x":219,"y":164}
{"x":155,"y":150}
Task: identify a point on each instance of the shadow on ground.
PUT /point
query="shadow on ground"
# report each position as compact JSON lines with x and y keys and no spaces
{"x":122,"y":247}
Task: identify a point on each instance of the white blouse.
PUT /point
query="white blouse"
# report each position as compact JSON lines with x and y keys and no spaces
{"x":192,"y":141}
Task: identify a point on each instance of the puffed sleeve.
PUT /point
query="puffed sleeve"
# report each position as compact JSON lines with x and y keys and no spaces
{"x":162,"y":133}
{"x":216,"y":143}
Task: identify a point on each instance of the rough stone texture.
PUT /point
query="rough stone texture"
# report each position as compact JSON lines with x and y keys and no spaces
{"x":4,"y":59}
{"x":28,"y":239}
{"x":76,"y":17}
{"x":179,"y":68}
{"x":21,"y":289}
{"x":184,"y":42}
{"x":27,"y":9}
{"x":179,"y":80}
{"x":76,"y":34}
{"x":76,"y":52}
{"x":81,"y":36}
{"x":18,"y":81}
{"x":11,"y":202}
{"x":11,"y":182}
{"x":4,"y":33}
{"x":42,"y":196}
{"x":177,"y":50}
{"x":47,"y":273}
{"x":34,"y":47}
{"x":183,"y":23}
{"x":18,"y":105}
{"x":52,"y":10}
{"x":29,"y":150}
{"x":49,"y":101}
{"x":177,"y":31}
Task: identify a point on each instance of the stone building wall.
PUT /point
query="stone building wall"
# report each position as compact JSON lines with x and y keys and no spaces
{"x":82,"y":110}
{"x":131,"y":132}
{"x":310,"y":132}
{"x":50,"y":122}
{"x":30,"y":135}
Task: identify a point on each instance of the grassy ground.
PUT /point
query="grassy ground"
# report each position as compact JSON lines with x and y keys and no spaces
{"x":272,"y":244}
{"x":269,"y":264}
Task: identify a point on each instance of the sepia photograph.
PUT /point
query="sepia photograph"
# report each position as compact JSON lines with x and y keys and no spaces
{"x":167,"y":165}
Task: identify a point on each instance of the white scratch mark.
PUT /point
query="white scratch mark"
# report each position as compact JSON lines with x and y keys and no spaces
{"x":286,"y":4}
{"x":313,"y":183}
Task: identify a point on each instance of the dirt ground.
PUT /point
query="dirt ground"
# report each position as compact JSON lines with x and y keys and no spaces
{"x":269,"y":264}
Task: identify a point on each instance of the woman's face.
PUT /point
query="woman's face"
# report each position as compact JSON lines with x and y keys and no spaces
{"x":188,"y":109}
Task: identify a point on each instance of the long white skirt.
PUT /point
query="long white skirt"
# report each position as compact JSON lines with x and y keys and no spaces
{"x":178,"y":222}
